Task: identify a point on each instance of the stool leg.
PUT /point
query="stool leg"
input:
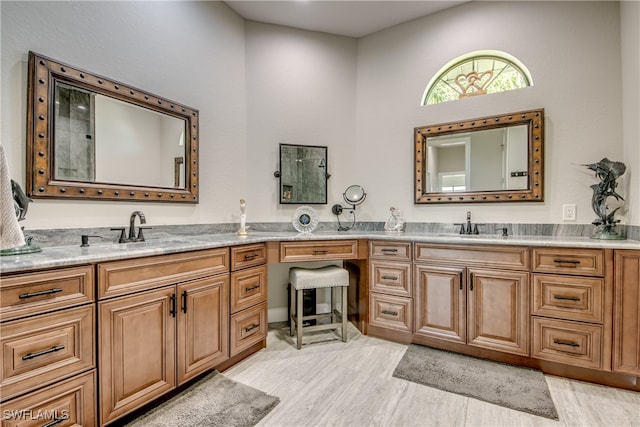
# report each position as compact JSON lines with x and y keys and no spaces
{"x":345,"y":315}
{"x":299,"y":314}
{"x":292,"y":304}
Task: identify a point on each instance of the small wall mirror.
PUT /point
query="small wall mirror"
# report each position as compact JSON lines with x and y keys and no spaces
{"x":490,"y":159}
{"x":89,"y":137}
{"x":303,"y":174}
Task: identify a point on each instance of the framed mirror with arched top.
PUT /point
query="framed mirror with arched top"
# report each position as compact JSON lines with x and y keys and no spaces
{"x":488,"y":159}
{"x":91,"y":137}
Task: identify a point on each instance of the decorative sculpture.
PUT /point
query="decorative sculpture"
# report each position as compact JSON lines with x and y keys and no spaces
{"x":608,"y":172}
{"x":243,"y":219}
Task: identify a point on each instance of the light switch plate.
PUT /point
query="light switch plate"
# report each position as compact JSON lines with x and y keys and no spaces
{"x":568,"y":212}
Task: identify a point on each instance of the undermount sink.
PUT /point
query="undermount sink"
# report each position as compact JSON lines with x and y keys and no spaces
{"x":151,"y":243}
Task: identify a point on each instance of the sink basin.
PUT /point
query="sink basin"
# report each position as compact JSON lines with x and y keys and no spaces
{"x":152,"y":243}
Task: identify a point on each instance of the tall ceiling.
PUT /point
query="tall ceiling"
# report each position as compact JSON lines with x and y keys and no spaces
{"x":352,"y":18}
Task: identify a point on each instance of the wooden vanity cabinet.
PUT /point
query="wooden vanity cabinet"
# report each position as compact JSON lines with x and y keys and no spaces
{"x":626,"y":311}
{"x":390,"y":291}
{"x":472,"y":295}
{"x":47,"y":348}
{"x":154,"y":340}
{"x":571,"y":306}
{"x":248,"y":324}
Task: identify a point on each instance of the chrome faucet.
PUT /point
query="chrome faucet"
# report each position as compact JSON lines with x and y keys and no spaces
{"x":132,"y":227}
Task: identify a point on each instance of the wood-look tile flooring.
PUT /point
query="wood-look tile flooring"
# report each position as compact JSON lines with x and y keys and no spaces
{"x":331,"y":383}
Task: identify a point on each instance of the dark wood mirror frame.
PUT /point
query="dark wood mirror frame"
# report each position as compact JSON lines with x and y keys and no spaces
{"x":534,"y":119}
{"x":41,"y":183}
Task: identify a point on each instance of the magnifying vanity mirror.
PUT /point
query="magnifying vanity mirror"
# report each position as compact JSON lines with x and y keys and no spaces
{"x":303,"y":174}
{"x":490,"y":159}
{"x":353,"y":195}
{"x":90,"y":137}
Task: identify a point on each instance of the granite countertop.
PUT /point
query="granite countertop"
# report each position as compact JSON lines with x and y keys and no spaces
{"x":60,"y":256}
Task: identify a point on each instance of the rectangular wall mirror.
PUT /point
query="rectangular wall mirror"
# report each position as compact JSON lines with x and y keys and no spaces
{"x":303,"y":174}
{"x":490,"y":159}
{"x":89,"y":137}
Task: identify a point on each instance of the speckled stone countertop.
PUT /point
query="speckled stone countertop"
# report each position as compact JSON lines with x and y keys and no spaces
{"x":60,"y":256}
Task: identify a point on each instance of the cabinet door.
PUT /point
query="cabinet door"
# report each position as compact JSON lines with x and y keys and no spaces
{"x":440,"y":303}
{"x":626,"y":312}
{"x":137,"y":350}
{"x":203,"y":325}
{"x":498,"y":310}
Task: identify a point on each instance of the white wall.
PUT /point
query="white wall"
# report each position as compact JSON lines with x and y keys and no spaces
{"x":573,"y":52}
{"x":272,"y":84}
{"x":300,"y":90}
{"x":190,"y":52}
{"x":630,"y":35}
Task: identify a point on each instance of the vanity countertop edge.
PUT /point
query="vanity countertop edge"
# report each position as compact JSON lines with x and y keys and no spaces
{"x":61,"y":256}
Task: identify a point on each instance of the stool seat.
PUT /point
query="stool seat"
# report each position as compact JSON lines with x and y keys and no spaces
{"x":323,"y":277}
{"x":303,"y":279}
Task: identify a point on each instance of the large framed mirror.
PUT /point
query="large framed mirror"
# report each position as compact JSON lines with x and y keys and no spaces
{"x":91,"y":137}
{"x":489,"y":159}
{"x":303,"y":174}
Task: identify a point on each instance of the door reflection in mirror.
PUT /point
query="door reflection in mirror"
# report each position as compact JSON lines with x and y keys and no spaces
{"x":484,"y":160}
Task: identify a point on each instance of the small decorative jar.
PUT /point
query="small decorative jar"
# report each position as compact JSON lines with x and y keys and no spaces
{"x":395,"y":223}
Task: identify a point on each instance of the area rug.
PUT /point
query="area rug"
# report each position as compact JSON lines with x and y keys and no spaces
{"x":215,"y":400}
{"x":519,"y":388}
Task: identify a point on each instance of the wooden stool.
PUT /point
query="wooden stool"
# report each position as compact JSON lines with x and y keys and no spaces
{"x":325,"y":277}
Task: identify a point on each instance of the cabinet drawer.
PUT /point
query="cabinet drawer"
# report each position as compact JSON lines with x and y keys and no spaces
{"x":138,"y":274}
{"x":67,"y":403}
{"x":248,"y":287}
{"x":566,"y":297}
{"x":318,"y":250}
{"x":390,"y":278}
{"x":506,"y":257}
{"x":248,"y":256}
{"x":400,"y":251}
{"x":391,"y":312}
{"x":43,"y":349}
{"x":248,"y":327}
{"x":573,"y":343}
{"x":583,"y":262}
{"x":32,"y":293}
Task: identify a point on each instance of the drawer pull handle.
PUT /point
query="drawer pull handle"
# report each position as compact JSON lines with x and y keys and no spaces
{"x":389,"y":250}
{"x":461,"y":280}
{"x":172,"y":311}
{"x":566,"y":261}
{"x":53,"y":349}
{"x":184,"y":301}
{"x":254,"y":255}
{"x":252,"y":327}
{"x":470,"y":281}
{"x":37,"y":294}
{"x":390,"y":313}
{"x":320,"y":251}
{"x":390,"y":278}
{"x":57,"y":420}
{"x":562,"y":297}
{"x":250,"y":288}
{"x":571,"y":344}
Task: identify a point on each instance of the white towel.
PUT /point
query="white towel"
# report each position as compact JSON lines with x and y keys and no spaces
{"x":11,"y":235}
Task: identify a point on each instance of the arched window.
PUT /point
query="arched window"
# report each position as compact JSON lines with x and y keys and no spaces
{"x":476,"y":73}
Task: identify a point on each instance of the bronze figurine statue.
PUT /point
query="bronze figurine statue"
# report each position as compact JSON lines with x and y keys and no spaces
{"x":608,"y":172}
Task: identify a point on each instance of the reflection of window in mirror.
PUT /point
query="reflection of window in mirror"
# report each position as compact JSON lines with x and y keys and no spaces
{"x":452,"y":181}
